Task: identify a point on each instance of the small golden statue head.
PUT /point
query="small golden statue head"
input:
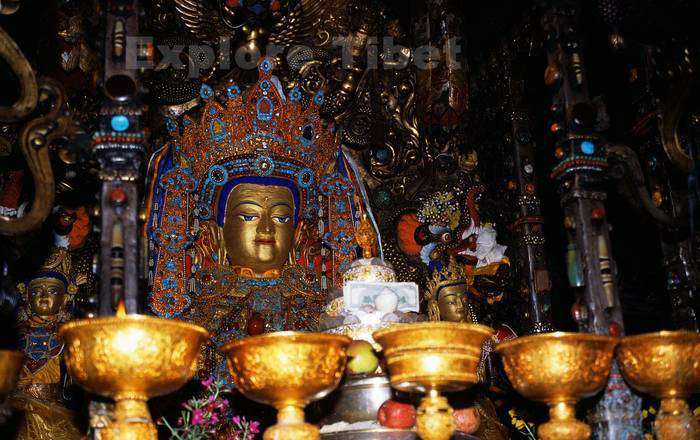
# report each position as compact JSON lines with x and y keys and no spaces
{"x":446,"y":295}
{"x":48,"y":294}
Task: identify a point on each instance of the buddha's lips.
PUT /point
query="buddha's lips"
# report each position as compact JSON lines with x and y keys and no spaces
{"x":264,"y":241}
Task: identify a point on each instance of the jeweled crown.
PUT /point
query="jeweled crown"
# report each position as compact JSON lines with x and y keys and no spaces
{"x":260,"y":132}
{"x":447,"y":275}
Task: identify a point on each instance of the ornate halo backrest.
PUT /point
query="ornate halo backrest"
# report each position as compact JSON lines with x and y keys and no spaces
{"x":258,"y":136}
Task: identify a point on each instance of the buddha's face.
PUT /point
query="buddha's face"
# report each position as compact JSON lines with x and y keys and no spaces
{"x":452,"y":303}
{"x":46,"y":296}
{"x":259,"y":226}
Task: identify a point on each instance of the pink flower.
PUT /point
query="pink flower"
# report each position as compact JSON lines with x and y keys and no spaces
{"x":207,"y":383}
{"x":236,"y":420}
{"x":254,"y":427}
{"x":214,"y":419}
{"x":180,"y":421}
{"x":197,"y":417}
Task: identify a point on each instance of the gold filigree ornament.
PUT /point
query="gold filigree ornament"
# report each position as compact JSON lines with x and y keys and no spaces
{"x":131,"y":358}
{"x":667,"y":366}
{"x":288,"y":370}
{"x":430,"y":358}
{"x":559,"y":369}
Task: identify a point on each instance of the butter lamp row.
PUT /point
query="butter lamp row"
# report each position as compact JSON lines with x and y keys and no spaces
{"x":132,"y":358}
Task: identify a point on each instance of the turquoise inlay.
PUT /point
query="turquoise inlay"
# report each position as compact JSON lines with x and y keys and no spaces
{"x":121,"y":123}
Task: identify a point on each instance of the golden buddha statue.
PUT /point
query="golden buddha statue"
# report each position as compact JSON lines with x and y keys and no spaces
{"x":253,"y":211}
{"x":447,"y":295}
{"x":46,"y":304}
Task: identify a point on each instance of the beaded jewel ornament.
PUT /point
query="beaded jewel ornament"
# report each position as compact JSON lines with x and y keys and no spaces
{"x":261,"y":136}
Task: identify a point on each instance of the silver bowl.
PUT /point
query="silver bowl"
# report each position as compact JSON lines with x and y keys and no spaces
{"x":358,"y":399}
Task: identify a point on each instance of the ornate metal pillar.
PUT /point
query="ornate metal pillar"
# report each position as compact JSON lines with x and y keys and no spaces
{"x":535,"y":281}
{"x":120,"y":150}
{"x":580,"y":174}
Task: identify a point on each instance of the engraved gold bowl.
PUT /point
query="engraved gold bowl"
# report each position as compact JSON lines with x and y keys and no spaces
{"x":131,"y":359}
{"x":431,"y":357}
{"x":10,"y":364}
{"x":288,"y":370}
{"x":666,"y":365}
{"x":559,"y":369}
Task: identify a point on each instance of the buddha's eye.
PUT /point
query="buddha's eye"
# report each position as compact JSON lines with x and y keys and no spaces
{"x":248,"y":217}
{"x":282,"y":218}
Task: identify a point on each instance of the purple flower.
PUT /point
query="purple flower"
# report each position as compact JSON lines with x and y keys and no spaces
{"x":197,"y":417}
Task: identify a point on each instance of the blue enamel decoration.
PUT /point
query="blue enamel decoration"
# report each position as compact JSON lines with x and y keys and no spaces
{"x":305,"y":178}
{"x":264,"y":166}
{"x":218,"y":175}
{"x":233,"y":91}
{"x":295,"y":94}
{"x":170,"y":124}
{"x":218,"y":130}
{"x":318,"y":99}
{"x":206,"y":91}
{"x":266,"y":65}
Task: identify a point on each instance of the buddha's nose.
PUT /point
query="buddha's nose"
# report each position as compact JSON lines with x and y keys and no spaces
{"x":265,"y":225}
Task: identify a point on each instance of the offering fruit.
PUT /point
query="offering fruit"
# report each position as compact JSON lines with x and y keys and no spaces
{"x":363,"y":360}
{"x":467,"y":420}
{"x":396,"y":415}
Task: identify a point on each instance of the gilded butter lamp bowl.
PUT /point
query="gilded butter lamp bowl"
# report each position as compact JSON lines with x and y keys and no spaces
{"x":10,"y":364}
{"x":430,"y":358}
{"x":667,"y":366}
{"x":288,"y":370}
{"x":559,"y":369}
{"x":131,"y":358}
